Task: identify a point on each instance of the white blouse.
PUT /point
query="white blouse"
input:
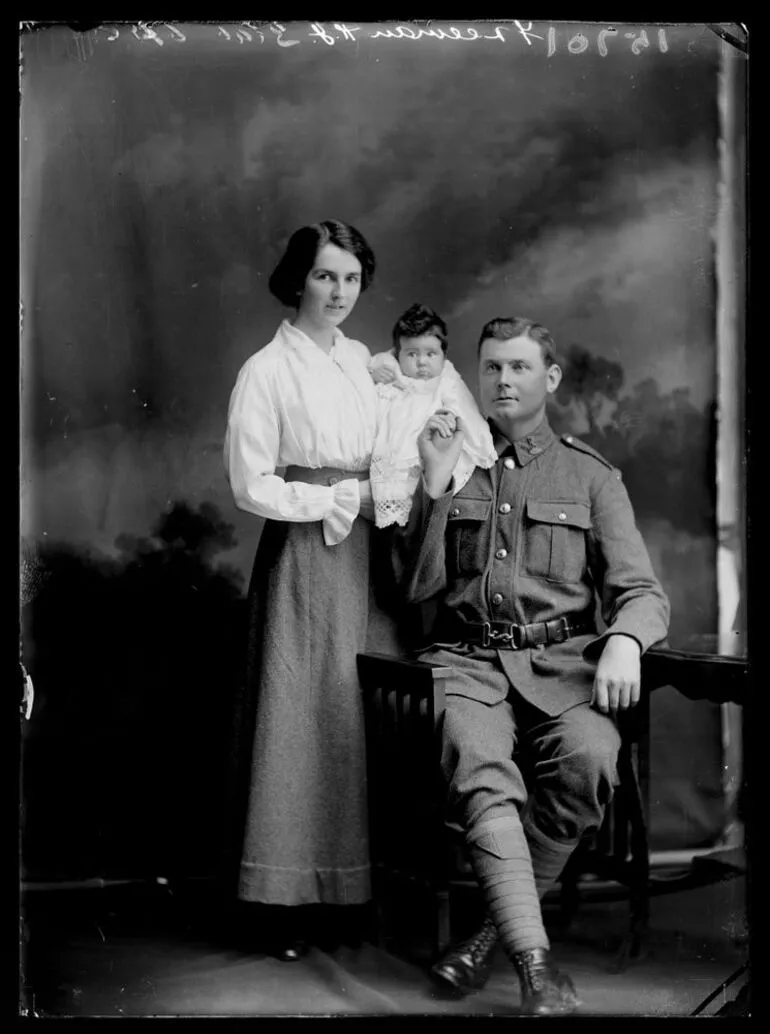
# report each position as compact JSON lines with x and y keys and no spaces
{"x":294,"y":404}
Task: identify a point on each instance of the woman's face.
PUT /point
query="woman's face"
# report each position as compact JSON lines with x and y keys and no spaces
{"x":331,"y":287}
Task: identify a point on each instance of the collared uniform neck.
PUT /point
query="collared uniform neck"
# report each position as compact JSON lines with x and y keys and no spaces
{"x":527,"y":448}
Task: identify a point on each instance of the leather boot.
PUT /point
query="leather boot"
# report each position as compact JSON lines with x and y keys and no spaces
{"x":466,"y":967}
{"x":544,"y":990}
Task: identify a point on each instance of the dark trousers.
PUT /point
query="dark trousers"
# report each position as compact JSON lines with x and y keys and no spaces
{"x":570,"y":759}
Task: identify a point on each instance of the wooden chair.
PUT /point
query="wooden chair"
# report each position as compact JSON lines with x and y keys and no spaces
{"x":411,"y":843}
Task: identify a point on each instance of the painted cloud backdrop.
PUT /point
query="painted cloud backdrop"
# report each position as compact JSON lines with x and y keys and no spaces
{"x":160,"y":183}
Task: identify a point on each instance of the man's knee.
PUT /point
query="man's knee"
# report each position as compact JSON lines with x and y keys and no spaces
{"x":587,"y":742}
{"x":477,"y":762}
{"x":473,"y":730}
{"x":575,"y":773}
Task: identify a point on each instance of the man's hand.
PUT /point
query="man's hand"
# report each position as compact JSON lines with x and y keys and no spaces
{"x":618,"y":675}
{"x":439,"y":445}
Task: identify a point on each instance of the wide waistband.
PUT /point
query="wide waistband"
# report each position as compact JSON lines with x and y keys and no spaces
{"x":503,"y":635}
{"x":323,"y":475}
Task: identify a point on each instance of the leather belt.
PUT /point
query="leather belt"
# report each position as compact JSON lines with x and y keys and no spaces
{"x":323,"y":475}
{"x":503,"y":635}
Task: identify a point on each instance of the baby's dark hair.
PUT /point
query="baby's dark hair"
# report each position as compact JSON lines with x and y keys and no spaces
{"x":416,"y":321}
{"x":288,"y":278}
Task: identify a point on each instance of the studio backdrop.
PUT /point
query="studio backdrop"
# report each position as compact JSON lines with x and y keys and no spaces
{"x":574,"y":174}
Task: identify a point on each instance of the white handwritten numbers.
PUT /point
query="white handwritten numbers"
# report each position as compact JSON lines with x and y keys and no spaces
{"x":563,"y":38}
{"x":601,"y":45}
{"x":640,"y":41}
{"x":578,"y":43}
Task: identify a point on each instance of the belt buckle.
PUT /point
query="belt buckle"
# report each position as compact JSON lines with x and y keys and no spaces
{"x":510,"y":640}
{"x":562,"y":634}
{"x":517,"y":637}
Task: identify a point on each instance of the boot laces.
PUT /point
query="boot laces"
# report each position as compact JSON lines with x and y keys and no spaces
{"x":484,"y":940}
{"x":536,"y":968}
{"x":478,"y":947}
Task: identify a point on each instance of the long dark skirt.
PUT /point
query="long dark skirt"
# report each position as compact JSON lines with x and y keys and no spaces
{"x":305,"y":816}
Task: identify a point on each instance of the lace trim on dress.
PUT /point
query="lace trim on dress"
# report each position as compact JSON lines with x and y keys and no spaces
{"x":393,"y":486}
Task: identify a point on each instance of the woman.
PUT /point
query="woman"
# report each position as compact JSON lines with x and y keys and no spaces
{"x":306,"y":402}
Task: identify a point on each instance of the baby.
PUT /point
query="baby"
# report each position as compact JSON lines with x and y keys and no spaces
{"x":414,"y":379}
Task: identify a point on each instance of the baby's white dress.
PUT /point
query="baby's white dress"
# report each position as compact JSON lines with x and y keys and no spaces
{"x":404,"y":407}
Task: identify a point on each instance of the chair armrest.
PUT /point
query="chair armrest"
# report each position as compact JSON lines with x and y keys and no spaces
{"x":698,"y":676}
{"x":416,"y":680}
{"x":414,"y":676}
{"x":387,"y":663}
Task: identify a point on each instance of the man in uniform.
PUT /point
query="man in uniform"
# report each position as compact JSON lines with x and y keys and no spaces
{"x":515,"y":561}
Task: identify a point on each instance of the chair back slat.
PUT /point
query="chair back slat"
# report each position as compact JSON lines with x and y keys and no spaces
{"x":406,"y":808}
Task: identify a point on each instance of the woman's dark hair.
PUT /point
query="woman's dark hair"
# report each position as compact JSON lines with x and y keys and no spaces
{"x":416,"y":321}
{"x":288,"y":278}
{"x":507,"y":327}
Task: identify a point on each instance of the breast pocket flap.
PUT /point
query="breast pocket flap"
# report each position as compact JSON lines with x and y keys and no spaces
{"x":573,"y":515}
{"x":470,"y":509}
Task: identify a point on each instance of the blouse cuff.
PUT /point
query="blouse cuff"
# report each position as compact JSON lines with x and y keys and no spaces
{"x":337,"y":524}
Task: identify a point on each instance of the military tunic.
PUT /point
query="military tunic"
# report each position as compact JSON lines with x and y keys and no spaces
{"x":539,"y":536}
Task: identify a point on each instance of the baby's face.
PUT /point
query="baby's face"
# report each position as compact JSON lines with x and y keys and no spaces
{"x":420,"y":357}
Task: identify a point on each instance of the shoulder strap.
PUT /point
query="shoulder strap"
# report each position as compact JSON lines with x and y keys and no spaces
{"x":576,"y":443}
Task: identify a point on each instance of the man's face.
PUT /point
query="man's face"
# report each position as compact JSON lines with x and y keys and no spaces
{"x":514,"y":381}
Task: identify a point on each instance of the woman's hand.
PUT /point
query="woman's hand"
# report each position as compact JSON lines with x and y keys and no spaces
{"x":617,"y":683}
{"x":383,"y":374}
{"x":439,"y":445}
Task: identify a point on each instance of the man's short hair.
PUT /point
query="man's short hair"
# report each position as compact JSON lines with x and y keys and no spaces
{"x":506,"y":327}
{"x":416,"y":321}
{"x":287,"y":281}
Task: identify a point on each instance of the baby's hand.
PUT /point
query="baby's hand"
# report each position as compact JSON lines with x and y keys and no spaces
{"x":444,"y":421}
{"x":439,"y":444}
{"x":383,"y":375}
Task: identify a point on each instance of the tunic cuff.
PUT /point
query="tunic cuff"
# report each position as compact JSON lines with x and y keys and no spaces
{"x":592,"y":651}
{"x":345,"y":506}
{"x":436,"y":512}
{"x":443,"y":500}
{"x":462,"y":473}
